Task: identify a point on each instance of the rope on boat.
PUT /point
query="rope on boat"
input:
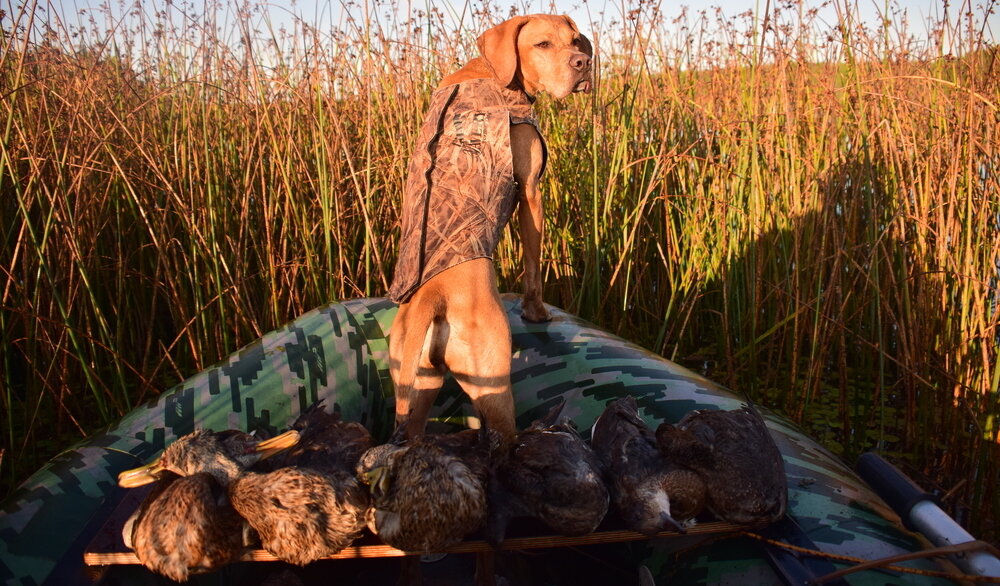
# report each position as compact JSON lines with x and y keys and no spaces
{"x":887,"y":563}
{"x":104,"y":552}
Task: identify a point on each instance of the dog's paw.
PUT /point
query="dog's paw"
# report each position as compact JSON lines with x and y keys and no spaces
{"x":535,"y":311}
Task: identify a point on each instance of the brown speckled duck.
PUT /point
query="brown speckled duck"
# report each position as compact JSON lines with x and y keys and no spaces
{"x":309,"y":505}
{"x":428,"y":492}
{"x":650,"y":493}
{"x":186,"y":524}
{"x":550,"y":474}
{"x":734,"y":454}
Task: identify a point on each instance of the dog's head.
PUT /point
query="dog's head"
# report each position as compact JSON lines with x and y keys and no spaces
{"x":541,"y":52}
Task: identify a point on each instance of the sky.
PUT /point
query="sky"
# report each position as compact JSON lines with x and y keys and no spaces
{"x":586,"y":11}
{"x":324,"y":14}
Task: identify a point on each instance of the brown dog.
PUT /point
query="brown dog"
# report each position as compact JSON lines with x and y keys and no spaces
{"x":478,"y":156}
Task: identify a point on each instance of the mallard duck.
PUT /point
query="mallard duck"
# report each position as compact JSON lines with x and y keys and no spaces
{"x":428,"y":492}
{"x":310,"y":504}
{"x":650,"y":493}
{"x":186,"y":524}
{"x":734,"y":454}
{"x":550,"y":474}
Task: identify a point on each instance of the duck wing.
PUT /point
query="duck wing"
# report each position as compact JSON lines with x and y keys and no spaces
{"x":326,"y":442}
{"x":738,"y":460}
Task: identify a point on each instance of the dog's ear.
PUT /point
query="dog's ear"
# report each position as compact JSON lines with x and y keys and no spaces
{"x":585,"y":46}
{"x":498,"y":46}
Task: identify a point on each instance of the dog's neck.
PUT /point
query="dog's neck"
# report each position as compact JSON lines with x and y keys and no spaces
{"x":517,"y":92}
{"x":478,"y":68}
{"x":517,"y":85}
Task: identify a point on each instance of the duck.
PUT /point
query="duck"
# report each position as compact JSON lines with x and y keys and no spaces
{"x":552,"y":475}
{"x":328,"y":444}
{"x":186,"y":524}
{"x":650,"y":492}
{"x":428,"y":492}
{"x":736,"y":457}
{"x":307,"y":503}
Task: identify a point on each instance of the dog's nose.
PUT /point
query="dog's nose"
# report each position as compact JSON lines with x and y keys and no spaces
{"x":580,"y":62}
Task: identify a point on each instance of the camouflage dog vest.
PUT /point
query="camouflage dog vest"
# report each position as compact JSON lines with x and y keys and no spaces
{"x":460,"y":189}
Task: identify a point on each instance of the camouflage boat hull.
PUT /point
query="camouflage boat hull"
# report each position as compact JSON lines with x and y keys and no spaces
{"x":339,"y":353}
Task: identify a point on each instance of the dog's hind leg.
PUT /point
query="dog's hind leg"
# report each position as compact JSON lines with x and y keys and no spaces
{"x":455,"y":322}
{"x":478,"y":354}
{"x":416,"y":373}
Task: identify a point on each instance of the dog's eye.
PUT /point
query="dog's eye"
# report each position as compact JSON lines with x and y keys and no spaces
{"x":543,"y":45}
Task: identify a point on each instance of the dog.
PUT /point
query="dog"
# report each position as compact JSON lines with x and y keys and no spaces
{"x":479,"y":155}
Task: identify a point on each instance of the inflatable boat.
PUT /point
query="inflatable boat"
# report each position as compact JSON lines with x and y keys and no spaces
{"x":338,"y":353}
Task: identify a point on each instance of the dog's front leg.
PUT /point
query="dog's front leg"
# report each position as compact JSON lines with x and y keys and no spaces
{"x":529,"y":160}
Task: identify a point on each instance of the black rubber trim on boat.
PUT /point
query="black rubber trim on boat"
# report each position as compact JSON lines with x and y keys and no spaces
{"x":895,"y":488}
{"x":70,"y":570}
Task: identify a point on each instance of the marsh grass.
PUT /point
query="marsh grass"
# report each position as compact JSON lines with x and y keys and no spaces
{"x":808,"y":212}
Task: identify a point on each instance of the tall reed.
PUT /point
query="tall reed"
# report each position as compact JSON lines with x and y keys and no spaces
{"x":808,"y":212}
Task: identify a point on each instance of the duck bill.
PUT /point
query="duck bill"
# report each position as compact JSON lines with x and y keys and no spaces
{"x":377,"y":480}
{"x":671,"y":523}
{"x":276,"y":444}
{"x":141,"y":476}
